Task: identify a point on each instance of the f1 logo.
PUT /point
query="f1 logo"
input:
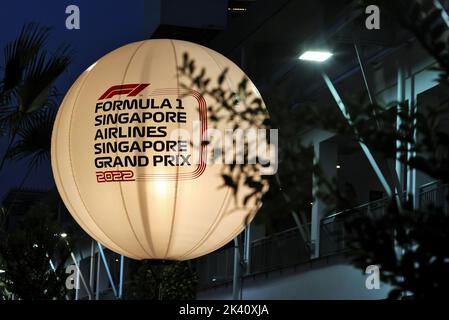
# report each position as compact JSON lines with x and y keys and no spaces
{"x":131,"y":90}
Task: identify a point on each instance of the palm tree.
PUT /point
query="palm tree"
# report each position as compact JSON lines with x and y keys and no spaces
{"x":27,"y":96}
{"x":27,"y":87}
{"x":33,"y":141}
{"x":27,"y":113}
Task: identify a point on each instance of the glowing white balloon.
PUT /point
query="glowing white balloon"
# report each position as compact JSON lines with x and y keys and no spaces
{"x":128,"y":183}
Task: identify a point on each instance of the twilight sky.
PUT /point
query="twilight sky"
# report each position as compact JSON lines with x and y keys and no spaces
{"x":105,"y":25}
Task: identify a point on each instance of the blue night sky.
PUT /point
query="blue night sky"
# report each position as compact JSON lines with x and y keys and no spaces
{"x":105,"y":25}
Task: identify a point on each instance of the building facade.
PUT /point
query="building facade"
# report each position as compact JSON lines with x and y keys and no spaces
{"x":305,"y":258}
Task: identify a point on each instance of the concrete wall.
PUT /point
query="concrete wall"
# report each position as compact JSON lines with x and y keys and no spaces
{"x":355,"y":169}
{"x":315,"y":280}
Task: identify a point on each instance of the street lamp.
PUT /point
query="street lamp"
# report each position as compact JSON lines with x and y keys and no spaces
{"x":319,"y":57}
{"x":315,"y":56}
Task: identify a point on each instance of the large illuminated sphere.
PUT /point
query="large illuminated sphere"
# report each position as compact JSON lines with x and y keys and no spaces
{"x":134,"y":201}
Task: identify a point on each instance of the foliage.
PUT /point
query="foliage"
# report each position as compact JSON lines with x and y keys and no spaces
{"x":27,"y":84}
{"x":163,"y":281}
{"x":423,"y":19}
{"x":26,"y":253}
{"x":34,"y":139}
{"x":239,"y":109}
{"x":408,"y":243}
{"x":27,"y":112}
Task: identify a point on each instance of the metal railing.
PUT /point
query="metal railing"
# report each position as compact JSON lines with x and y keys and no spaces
{"x":216,"y":268}
{"x":278,"y":250}
{"x":434,"y":193}
{"x":333,"y":233}
{"x":285,"y":249}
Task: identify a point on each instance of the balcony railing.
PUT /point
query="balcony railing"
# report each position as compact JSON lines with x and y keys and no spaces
{"x":287,"y":248}
{"x":333,"y":234}
{"x":434,"y":193}
{"x":270,"y":253}
{"x":216,"y":268}
{"x":276,"y":251}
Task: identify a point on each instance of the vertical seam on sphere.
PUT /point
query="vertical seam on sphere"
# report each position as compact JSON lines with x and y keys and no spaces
{"x":177,"y":168}
{"x":120,"y":183}
{"x":219,"y":216}
{"x":73,"y":174}
{"x":70,"y":158}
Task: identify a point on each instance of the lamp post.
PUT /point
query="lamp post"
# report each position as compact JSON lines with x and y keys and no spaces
{"x":121,"y":150}
{"x":320,"y":57}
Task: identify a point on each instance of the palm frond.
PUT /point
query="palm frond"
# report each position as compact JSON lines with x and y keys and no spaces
{"x":3,"y":129}
{"x":34,"y":139}
{"x":36,"y":88}
{"x":20,"y":52}
{"x":3,"y":218}
{"x":8,"y":118}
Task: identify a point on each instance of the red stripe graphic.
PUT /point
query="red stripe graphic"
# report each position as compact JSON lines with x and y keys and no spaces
{"x":203,"y":152}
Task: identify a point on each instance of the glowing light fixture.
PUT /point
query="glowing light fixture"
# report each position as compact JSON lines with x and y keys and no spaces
{"x":316,"y":56}
{"x":113,"y":159}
